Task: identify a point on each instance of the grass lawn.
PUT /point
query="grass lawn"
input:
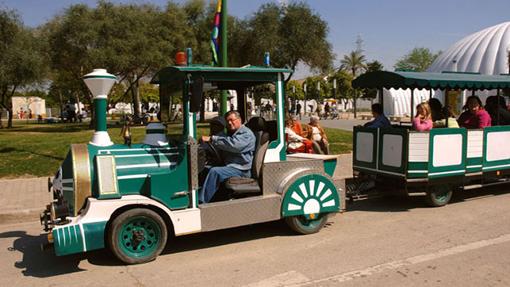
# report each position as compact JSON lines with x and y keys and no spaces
{"x":30,"y":150}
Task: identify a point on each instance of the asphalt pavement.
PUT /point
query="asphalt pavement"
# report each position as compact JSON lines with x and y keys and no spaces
{"x":378,"y":242}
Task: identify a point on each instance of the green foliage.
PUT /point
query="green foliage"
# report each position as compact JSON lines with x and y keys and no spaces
{"x":131,"y":41}
{"x":316,"y":88}
{"x":291,"y":35}
{"x":294,"y":90}
{"x":266,"y":91}
{"x":418,"y":60}
{"x":354,"y":62}
{"x":343,"y":84}
{"x":149,"y":93}
{"x":22,"y":62}
{"x":372,"y":67}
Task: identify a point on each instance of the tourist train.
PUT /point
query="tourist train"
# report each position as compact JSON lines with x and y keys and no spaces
{"x":131,"y":198}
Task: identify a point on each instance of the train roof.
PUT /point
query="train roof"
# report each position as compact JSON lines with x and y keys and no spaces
{"x":225,"y":77}
{"x":426,"y":80}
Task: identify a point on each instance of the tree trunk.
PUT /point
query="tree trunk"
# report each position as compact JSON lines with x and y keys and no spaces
{"x":9,"y":119}
{"x":9,"y":107}
{"x":202,"y":110}
{"x":92,"y":114}
{"x":135,"y":93}
{"x":354,"y":104}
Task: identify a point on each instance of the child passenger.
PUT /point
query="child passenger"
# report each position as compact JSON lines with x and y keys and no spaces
{"x":422,"y":122}
{"x":474,"y":115}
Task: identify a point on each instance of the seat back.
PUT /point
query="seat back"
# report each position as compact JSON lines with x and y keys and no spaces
{"x":257,"y":125}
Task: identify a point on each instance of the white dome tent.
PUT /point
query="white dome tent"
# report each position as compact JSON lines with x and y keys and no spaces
{"x":484,"y":52}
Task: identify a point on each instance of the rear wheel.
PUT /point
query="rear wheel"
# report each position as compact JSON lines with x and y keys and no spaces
{"x":304,"y":225}
{"x":439,"y":195}
{"x":137,"y":236}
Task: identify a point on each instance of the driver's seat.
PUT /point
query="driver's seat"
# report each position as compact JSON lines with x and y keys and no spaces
{"x":244,"y":186}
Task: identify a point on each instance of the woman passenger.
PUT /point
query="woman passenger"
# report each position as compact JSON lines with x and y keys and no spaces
{"x":448,"y":115}
{"x":317,"y":135}
{"x":474,"y":115}
{"x":295,"y":142}
{"x":422,"y":122}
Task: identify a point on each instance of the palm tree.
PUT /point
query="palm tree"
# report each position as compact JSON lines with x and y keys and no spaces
{"x":355,"y":63}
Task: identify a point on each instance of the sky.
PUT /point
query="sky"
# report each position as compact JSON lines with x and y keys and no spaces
{"x":389,"y":28}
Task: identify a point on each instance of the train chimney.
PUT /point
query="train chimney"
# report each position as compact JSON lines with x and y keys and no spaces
{"x":100,"y":83}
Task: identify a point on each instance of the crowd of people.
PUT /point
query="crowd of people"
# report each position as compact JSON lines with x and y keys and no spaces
{"x":432,"y":114}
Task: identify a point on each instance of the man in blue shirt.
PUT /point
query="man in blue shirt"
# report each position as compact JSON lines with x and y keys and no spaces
{"x":237,"y":148}
{"x":380,"y":120}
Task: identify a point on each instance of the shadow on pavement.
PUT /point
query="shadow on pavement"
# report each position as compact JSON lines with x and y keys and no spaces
{"x":38,"y":263}
{"x":403,"y":203}
{"x":394,"y":203}
{"x":228,"y":236}
{"x":203,"y":240}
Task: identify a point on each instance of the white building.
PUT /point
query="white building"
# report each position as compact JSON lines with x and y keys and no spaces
{"x":485,"y":52}
{"x":26,"y":104}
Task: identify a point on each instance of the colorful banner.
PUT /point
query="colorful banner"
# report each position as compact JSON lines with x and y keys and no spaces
{"x":215,"y":47}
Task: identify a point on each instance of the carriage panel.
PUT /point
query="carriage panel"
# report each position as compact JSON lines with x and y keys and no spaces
{"x":418,"y":155}
{"x":496,"y":153}
{"x":474,"y":151}
{"x":365,"y":148}
{"x":447,"y":152}
{"x":393,"y":151}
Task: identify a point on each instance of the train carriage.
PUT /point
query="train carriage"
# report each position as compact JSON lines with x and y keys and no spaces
{"x":434,"y":162}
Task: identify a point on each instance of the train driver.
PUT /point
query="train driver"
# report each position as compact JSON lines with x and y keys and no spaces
{"x":237,"y":148}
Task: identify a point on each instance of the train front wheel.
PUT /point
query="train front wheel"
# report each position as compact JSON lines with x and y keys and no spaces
{"x":137,"y":236}
{"x":303,"y":225}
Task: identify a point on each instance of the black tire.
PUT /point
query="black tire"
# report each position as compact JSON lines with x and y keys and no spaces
{"x":439,"y":195}
{"x":302,"y":225}
{"x":148,"y":233}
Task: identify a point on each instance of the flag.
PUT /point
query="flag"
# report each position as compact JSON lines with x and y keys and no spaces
{"x":215,"y":47}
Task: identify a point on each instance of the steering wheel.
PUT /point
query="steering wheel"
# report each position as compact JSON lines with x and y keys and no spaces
{"x":214,"y":158}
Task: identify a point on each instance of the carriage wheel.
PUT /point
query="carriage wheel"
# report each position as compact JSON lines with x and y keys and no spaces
{"x":439,"y":195}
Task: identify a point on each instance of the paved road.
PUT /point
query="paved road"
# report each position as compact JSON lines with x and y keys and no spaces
{"x":381,"y":242}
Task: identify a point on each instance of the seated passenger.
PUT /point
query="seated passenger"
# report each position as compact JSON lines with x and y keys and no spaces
{"x":495,"y":105}
{"x":474,"y":115}
{"x":237,"y":148}
{"x":449,"y":116}
{"x":436,"y":109}
{"x":318,"y":136}
{"x":422,"y":122}
{"x":296,"y":142}
{"x":380,"y":120}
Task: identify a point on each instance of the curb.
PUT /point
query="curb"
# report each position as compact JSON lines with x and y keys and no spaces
{"x":22,"y":215}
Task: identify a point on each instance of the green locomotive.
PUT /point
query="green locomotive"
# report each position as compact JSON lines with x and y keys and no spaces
{"x":132,"y":198}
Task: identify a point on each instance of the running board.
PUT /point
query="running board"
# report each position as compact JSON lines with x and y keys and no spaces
{"x":475,"y":186}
